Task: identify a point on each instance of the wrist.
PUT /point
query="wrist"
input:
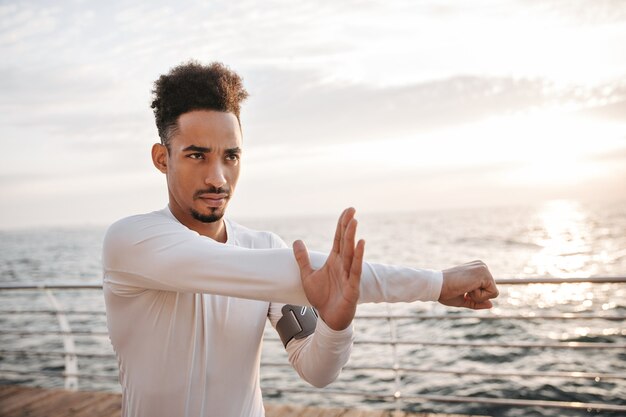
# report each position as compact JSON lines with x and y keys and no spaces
{"x":325,"y":330}
{"x":336,"y":323}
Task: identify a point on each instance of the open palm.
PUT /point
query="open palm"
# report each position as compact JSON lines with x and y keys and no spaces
{"x":334,"y":288}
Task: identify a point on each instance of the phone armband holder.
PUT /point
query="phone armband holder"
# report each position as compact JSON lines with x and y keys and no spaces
{"x":297,"y":322}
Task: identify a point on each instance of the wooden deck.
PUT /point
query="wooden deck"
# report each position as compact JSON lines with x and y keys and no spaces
{"x":20,"y":401}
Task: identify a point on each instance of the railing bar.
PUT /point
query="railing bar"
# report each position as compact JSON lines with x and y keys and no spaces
{"x":57,"y":353}
{"x":60,"y":374}
{"x":553,"y":374}
{"x":393,"y":335}
{"x":51,"y":332}
{"x":77,"y":312}
{"x":71,"y":365}
{"x":562,"y":374}
{"x":559,"y":345}
{"x":534,"y":345}
{"x":518,"y":402}
{"x":51,"y":287}
{"x":572,"y":374}
{"x":364,"y":394}
{"x":452,"y":398}
{"x":566,"y":316}
{"x":501,"y":281}
{"x":552,"y":280}
{"x":357,"y":368}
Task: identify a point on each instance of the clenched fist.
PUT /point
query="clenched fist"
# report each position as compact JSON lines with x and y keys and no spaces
{"x":469,"y":285}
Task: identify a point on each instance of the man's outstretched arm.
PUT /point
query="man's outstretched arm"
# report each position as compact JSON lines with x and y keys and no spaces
{"x":333,"y":288}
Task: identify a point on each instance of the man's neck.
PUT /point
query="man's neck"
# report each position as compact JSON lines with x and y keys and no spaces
{"x":215,"y":230}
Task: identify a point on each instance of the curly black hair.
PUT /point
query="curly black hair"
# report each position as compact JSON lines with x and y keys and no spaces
{"x":193,"y":86}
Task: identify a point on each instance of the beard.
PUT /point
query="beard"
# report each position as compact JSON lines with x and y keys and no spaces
{"x":215,"y":215}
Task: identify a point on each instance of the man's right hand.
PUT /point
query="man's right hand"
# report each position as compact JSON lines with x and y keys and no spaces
{"x":469,"y":285}
{"x":334,"y":288}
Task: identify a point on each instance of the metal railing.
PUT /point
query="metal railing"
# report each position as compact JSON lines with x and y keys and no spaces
{"x":71,"y":374}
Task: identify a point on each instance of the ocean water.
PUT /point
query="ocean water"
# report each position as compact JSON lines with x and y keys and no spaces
{"x":555,"y":239}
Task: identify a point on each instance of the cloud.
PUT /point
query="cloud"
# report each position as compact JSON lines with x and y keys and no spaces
{"x":71,"y":120}
{"x":581,"y":11}
{"x":617,"y":155}
{"x":611,"y":111}
{"x":289,"y":108}
{"x":23,"y":85}
{"x":21,"y":23}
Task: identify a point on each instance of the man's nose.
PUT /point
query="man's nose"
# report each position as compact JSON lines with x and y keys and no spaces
{"x":215,"y":176}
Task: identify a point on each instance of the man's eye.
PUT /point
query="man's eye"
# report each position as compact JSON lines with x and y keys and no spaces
{"x":232,"y":157}
{"x":197,"y":155}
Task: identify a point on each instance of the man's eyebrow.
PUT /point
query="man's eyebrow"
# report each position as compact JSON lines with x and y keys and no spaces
{"x":196,"y":148}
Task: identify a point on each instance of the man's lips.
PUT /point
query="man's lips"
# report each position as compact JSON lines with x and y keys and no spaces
{"x":213,"y":200}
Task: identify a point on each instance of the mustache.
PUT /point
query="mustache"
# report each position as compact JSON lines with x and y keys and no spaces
{"x":212,"y":190}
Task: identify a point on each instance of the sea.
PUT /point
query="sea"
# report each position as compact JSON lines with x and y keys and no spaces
{"x":557,"y":238}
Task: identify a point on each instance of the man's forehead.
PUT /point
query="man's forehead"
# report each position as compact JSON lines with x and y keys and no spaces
{"x":207,"y":116}
{"x":207,"y":128}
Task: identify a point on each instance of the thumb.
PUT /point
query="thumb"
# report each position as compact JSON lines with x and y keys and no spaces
{"x":302,"y":258}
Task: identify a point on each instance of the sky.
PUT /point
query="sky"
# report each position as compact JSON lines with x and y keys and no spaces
{"x":382,"y":105}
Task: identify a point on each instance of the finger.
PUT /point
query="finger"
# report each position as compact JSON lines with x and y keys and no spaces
{"x":339,"y":233}
{"x":492,"y":288}
{"x":302,"y":258}
{"x":345,"y":221}
{"x":485,"y":293}
{"x":347,"y":247}
{"x":488,"y":283}
{"x":469,"y":303}
{"x":357,"y":264}
{"x":480,"y":295}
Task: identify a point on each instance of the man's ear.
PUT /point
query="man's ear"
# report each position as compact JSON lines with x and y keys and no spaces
{"x":159,"y":157}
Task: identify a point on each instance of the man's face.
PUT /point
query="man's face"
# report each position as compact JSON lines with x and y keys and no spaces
{"x":202,"y":164}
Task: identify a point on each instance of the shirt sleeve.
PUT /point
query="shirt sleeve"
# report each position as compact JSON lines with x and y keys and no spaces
{"x":319,"y":357}
{"x":155,"y":252}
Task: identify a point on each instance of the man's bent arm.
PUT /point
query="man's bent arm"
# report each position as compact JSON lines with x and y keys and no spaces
{"x":319,"y":358}
{"x":155,"y":252}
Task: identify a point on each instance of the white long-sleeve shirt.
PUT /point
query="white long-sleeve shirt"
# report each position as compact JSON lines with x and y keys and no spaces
{"x":186,"y":314}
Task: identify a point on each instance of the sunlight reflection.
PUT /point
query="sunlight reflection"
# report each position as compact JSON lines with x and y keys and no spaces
{"x":549,"y":296}
{"x":563,"y":232}
{"x":564,"y":236}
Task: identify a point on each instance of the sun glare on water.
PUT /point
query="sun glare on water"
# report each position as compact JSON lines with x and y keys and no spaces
{"x":565,"y":241}
{"x":562,"y":231}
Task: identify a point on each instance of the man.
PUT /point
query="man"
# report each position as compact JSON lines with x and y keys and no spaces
{"x":187,"y":292}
